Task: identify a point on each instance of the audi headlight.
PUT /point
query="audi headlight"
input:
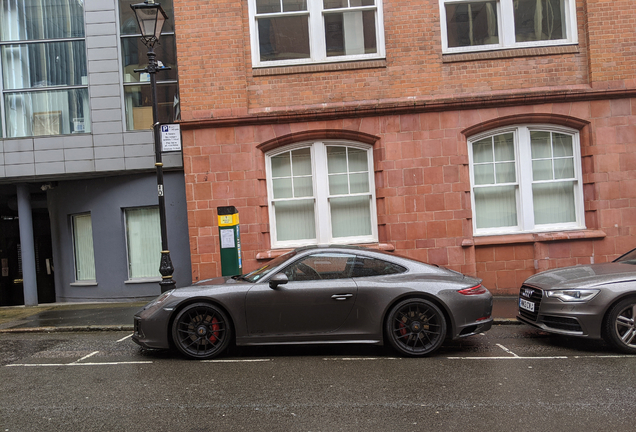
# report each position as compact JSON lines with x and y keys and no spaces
{"x":574,"y":295}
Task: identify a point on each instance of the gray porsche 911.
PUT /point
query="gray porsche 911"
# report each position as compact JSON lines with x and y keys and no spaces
{"x":595,"y":301}
{"x":320,"y":295}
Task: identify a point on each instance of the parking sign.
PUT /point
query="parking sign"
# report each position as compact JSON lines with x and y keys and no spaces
{"x":170,"y":138}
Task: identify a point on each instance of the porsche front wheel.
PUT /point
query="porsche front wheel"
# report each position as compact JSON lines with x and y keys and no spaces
{"x":201,"y":331}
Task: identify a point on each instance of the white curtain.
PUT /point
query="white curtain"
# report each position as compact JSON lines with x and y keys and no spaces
{"x":143,"y":235}
{"x":83,"y":245}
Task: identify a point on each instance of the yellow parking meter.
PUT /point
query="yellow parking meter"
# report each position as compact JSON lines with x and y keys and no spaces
{"x":230,"y":239}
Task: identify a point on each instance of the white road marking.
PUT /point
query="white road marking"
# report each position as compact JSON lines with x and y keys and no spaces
{"x":77,"y":364}
{"x":507,"y":350}
{"x":86,"y":356}
{"x":360,"y":358}
{"x":124,"y":338}
{"x":236,"y":361}
{"x":507,"y":358}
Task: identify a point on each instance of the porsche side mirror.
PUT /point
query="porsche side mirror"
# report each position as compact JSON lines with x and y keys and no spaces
{"x":278,"y":279}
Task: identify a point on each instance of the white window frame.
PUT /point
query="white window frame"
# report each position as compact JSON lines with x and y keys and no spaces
{"x":317,"y":45}
{"x":524,"y":181}
{"x":320,"y":184}
{"x":128,"y":264}
{"x":74,"y":218}
{"x":506,"y":28}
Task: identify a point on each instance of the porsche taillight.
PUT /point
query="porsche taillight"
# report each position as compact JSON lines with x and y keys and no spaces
{"x":476,"y":290}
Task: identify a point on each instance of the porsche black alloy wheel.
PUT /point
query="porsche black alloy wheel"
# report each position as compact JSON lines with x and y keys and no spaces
{"x":620,"y":325}
{"x":416,"y":327}
{"x":201,"y":331}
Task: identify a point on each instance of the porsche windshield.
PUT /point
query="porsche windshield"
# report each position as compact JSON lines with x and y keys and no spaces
{"x":628,"y":258}
{"x":260,"y":273}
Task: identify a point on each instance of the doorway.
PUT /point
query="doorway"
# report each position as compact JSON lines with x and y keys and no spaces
{"x":11,"y":287}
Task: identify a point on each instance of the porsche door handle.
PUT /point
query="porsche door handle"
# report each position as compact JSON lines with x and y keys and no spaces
{"x":341,"y":297}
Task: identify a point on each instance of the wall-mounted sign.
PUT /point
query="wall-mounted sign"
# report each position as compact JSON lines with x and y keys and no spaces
{"x":170,"y":137}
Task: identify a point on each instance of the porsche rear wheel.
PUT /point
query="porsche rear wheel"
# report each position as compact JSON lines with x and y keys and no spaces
{"x":620,"y":325}
{"x":201,"y":331}
{"x":416,"y":327}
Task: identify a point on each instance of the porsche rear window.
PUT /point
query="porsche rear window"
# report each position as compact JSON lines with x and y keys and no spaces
{"x":366,"y":266}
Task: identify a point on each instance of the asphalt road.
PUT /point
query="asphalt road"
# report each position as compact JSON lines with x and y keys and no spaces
{"x":511,"y":379}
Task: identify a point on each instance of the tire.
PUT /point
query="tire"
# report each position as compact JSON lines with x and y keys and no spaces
{"x":620,"y":325}
{"x":416,"y":327}
{"x":201,"y":331}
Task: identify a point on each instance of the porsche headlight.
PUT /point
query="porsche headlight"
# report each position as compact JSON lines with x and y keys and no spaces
{"x":162,"y":298}
{"x":573,"y":295}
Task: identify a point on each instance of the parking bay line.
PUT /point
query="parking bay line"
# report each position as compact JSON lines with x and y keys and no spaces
{"x":77,"y":364}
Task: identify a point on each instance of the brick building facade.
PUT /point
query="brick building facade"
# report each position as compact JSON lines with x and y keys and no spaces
{"x":493,"y":152}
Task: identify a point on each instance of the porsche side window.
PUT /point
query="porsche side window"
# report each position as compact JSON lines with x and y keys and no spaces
{"x":374,"y":267}
{"x":321,"y":266}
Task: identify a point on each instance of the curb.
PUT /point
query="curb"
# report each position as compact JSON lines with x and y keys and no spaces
{"x":69,"y":329}
{"x":506,"y":321}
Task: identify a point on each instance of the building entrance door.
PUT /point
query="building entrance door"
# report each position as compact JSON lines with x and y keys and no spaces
{"x":11,"y":288}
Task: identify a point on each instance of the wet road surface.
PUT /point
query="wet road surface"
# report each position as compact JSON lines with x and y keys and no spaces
{"x":511,"y":378}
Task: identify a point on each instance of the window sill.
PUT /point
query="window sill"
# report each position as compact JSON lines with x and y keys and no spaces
{"x":83,"y":283}
{"x":143,"y":280}
{"x":274,"y":253}
{"x":323,"y":67}
{"x":510,"y":53}
{"x":494,"y":240}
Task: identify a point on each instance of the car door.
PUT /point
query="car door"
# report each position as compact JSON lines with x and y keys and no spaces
{"x":317,"y":299}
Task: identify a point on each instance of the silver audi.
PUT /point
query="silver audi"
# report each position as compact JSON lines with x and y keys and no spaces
{"x":595,"y":301}
{"x":320,"y":295}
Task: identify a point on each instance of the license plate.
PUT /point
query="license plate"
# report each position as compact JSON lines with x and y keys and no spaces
{"x":527,"y":305}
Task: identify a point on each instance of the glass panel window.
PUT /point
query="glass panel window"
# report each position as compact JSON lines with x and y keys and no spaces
{"x":44,"y":68}
{"x":470,"y":24}
{"x":83,"y":248}
{"x":50,"y":64}
{"x":135,"y":57}
{"x":41,"y":19}
{"x":500,"y":24}
{"x":307,"y":31}
{"x":47,"y":112}
{"x":143,"y":238}
{"x":322,"y":193}
{"x":137,"y":91}
{"x":539,"y":20}
{"x":138,"y":100}
{"x":538,"y":190}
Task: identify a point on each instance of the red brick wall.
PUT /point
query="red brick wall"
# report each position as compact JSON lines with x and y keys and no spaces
{"x":612,"y":40}
{"x":217,"y":79}
{"x":422,"y":188}
{"x":421,"y":159}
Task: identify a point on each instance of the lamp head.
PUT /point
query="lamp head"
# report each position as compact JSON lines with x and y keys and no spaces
{"x":150,"y":19}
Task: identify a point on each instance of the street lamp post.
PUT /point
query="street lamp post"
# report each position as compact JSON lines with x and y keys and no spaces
{"x":150,"y":18}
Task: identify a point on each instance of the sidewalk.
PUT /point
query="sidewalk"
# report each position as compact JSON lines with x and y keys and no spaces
{"x":119,"y":316}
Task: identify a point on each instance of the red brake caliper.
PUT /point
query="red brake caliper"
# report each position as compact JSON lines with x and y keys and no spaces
{"x":402,"y":328}
{"x":215,"y":329}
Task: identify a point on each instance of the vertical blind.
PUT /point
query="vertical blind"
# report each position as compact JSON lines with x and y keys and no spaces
{"x":294,"y":195}
{"x":83,"y":245}
{"x":143,"y":235}
{"x":495,"y":181}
